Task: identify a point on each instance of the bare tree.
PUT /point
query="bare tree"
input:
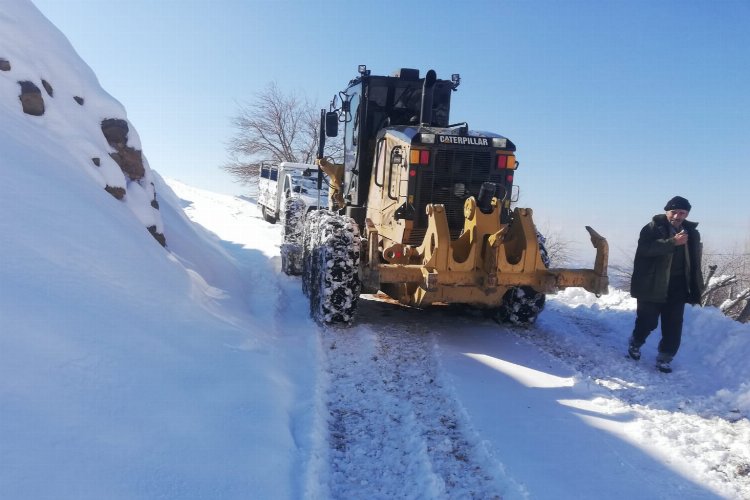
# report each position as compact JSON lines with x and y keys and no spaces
{"x":274,"y":127}
{"x":726,"y":279}
{"x":559,"y":249}
{"x":728,"y":283}
{"x":744,"y":316}
{"x":712,"y":286}
{"x":621,"y":268}
{"x":730,"y":304}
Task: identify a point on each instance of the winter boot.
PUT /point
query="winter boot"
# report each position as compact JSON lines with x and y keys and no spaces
{"x":634,"y":351}
{"x":663,"y":366}
{"x":663,"y":361}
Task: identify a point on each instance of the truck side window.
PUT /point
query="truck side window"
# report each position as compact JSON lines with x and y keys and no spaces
{"x":264,"y":172}
{"x":274,"y":174}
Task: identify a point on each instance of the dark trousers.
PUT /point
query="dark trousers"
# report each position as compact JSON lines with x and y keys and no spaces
{"x":647,"y":318}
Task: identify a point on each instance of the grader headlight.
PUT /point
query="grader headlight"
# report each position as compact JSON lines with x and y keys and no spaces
{"x":427,"y":138}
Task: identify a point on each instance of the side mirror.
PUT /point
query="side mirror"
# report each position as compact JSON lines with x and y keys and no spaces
{"x":515,"y":193}
{"x":297,"y":189}
{"x":332,"y":124}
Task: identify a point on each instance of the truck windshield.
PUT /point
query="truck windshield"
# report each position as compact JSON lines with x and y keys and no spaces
{"x":401,"y":102}
{"x":308,"y":183}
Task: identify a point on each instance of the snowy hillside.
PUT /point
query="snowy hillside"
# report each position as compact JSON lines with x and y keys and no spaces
{"x":132,"y":370}
{"x":126,"y":370}
{"x":52,"y":103}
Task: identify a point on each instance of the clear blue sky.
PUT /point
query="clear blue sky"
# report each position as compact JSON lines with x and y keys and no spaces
{"x":615,"y":106}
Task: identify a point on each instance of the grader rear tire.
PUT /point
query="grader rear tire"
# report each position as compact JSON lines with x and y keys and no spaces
{"x":521,"y":306}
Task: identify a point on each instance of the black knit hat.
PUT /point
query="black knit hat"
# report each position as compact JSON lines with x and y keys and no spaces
{"x":677,"y":203}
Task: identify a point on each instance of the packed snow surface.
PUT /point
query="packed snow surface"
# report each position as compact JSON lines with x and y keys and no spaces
{"x":128,"y":370}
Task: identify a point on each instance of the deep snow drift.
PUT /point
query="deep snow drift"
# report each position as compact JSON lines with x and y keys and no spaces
{"x":126,"y":370}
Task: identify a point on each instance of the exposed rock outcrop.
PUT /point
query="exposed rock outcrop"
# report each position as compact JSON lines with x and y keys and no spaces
{"x":116,"y":131}
{"x":48,"y":88}
{"x":129,"y":159}
{"x":157,"y":235}
{"x":117,"y":192}
{"x":31,"y":99}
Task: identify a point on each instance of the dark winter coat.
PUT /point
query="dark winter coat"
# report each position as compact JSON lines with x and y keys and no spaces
{"x":653,"y":260}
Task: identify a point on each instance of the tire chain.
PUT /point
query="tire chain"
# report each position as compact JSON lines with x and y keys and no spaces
{"x":291,"y":236}
{"x":331,"y":267}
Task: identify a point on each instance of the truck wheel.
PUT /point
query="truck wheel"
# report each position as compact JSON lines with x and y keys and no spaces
{"x":268,"y":216}
{"x":521,"y":306}
{"x":310,"y":239}
{"x":334,"y":286}
{"x":293,"y":218}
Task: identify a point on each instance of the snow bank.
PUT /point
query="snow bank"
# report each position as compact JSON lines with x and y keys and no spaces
{"x":714,"y":346}
{"x":127,"y":370}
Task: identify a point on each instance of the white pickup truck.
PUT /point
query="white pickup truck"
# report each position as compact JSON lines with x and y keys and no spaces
{"x":289,"y":180}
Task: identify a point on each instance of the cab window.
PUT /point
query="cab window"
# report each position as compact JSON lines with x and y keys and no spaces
{"x":351,"y":128}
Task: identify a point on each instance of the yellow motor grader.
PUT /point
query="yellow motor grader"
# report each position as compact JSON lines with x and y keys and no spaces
{"x":421,"y":210}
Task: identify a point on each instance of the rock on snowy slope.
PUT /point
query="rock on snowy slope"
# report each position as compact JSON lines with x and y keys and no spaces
{"x":45,"y":84}
{"x":126,"y":371}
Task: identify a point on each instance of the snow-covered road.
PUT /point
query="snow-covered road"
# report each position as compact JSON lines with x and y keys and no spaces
{"x":438,"y":404}
{"x":453,"y":406}
{"x":395,"y":430}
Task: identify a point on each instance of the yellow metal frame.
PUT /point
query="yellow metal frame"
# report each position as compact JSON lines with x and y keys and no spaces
{"x":478,"y":267}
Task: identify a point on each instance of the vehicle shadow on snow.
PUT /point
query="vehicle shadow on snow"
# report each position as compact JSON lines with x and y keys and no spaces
{"x":541,"y":420}
{"x":577,"y":338}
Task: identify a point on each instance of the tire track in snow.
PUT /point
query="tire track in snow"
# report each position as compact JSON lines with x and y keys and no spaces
{"x":394,"y":430}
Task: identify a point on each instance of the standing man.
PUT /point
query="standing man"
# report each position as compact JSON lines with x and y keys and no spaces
{"x":666,"y":275}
